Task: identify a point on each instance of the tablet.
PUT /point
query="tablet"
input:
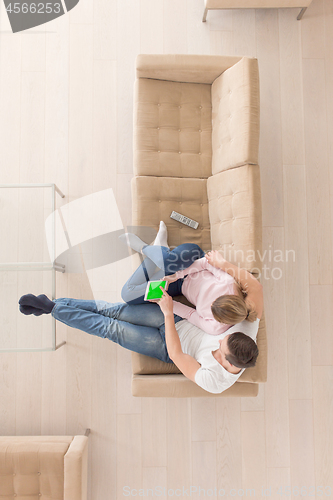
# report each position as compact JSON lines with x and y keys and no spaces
{"x":153,"y":290}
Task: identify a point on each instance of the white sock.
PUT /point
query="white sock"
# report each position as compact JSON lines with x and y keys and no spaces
{"x":162,"y":236}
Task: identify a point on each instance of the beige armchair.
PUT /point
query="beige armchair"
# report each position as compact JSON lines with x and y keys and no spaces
{"x":52,"y":467}
{"x":255,"y":4}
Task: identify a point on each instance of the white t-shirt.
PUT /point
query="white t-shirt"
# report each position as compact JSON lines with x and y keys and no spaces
{"x":211,"y":376}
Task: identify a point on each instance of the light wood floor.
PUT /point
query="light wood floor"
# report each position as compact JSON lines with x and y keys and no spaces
{"x":66,"y":117}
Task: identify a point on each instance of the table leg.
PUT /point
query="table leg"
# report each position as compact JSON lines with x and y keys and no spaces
{"x":60,"y":345}
{"x":58,"y":191}
{"x":300,"y":15}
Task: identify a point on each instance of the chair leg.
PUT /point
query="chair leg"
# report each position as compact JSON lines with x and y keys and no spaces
{"x":300,"y":15}
{"x":87,"y":432}
{"x":205,"y":16}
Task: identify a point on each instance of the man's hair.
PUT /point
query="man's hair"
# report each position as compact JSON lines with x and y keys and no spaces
{"x":243,"y":351}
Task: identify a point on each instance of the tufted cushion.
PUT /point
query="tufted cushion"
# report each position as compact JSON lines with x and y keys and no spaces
{"x":172,"y":129}
{"x":31,"y":466}
{"x":235,"y":115}
{"x":235,"y":215}
{"x":154,"y":198}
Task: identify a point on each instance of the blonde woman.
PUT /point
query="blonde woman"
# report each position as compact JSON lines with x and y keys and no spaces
{"x":216,"y":287}
{"x":223,"y":294}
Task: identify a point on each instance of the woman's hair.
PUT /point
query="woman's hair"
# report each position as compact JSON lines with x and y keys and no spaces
{"x":243,"y":351}
{"x":232,"y":309}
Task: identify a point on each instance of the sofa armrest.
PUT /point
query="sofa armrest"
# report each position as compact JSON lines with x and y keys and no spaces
{"x":76,"y":469}
{"x":178,"y":386}
{"x":189,"y":68}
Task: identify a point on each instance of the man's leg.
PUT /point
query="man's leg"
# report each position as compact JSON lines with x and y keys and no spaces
{"x":109,"y":322}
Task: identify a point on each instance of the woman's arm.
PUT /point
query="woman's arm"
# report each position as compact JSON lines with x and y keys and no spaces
{"x":186,"y":363}
{"x":248,"y":282}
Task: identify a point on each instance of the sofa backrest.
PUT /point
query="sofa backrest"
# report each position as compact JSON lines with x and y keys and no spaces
{"x":234,"y":204}
{"x":235,"y":116}
{"x":33,"y":466}
{"x":189,"y":68}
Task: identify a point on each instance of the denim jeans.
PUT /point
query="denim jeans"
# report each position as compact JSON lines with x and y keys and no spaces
{"x":139,"y":328}
{"x":159,"y":262}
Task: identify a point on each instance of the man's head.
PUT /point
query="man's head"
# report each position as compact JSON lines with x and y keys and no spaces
{"x":239,"y":350}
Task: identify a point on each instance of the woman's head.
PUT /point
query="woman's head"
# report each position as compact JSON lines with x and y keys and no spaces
{"x":232,"y":309}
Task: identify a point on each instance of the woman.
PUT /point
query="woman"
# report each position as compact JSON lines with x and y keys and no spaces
{"x":219,"y":299}
{"x":213,"y":363}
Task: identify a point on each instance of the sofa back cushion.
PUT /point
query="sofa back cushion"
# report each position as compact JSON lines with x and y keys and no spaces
{"x":172,"y":129}
{"x":235,"y":116}
{"x":235,"y":216}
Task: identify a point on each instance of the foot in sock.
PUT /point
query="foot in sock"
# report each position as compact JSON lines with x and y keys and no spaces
{"x":31,"y":310}
{"x":133,"y":241}
{"x":162,"y":236}
{"x":41,"y":302}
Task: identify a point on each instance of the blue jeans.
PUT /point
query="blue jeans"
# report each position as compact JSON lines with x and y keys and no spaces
{"x":159,"y":262}
{"x":139,"y":328}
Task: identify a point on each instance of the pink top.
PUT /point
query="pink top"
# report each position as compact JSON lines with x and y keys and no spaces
{"x":202,"y":285}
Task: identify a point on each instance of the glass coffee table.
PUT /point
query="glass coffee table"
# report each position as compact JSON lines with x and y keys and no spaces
{"x":27,"y":264}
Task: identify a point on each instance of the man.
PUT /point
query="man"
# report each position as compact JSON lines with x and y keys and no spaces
{"x":212,"y":362}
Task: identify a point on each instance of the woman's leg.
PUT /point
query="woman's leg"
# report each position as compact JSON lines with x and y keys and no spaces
{"x":171,"y":261}
{"x":168,"y":261}
{"x":116,"y":323}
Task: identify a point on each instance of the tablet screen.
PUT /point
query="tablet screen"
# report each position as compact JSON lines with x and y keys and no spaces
{"x":153,"y":290}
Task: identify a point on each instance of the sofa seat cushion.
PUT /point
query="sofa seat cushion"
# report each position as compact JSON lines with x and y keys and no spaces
{"x":235,"y":216}
{"x":235,"y":116}
{"x":154,"y":198}
{"x":172,"y":129}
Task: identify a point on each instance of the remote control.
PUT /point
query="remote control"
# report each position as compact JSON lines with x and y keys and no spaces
{"x":184,"y":220}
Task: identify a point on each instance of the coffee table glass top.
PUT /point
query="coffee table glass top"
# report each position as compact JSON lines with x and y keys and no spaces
{"x":26,"y":265}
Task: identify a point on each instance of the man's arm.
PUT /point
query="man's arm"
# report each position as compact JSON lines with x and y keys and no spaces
{"x":186,"y":363}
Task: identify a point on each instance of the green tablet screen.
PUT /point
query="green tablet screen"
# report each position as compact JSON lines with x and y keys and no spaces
{"x":153,"y":290}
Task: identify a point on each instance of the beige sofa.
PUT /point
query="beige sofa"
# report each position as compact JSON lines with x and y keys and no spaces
{"x":196,"y":134}
{"x":256,"y":4}
{"x":52,"y":467}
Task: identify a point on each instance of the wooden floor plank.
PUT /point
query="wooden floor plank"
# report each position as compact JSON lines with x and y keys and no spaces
{"x":276,"y":388}
{"x":322,"y":424}
{"x":297,"y":284}
{"x":270,"y":151}
{"x":302,"y":469}
{"x":317,"y":175}
{"x":291,"y":88}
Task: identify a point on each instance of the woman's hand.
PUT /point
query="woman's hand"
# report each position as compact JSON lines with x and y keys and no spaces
{"x":169,"y":279}
{"x":215,"y":259}
{"x":166,"y":303}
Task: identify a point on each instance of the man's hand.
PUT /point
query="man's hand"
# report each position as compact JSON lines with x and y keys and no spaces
{"x":166,"y":303}
{"x":215,"y":259}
